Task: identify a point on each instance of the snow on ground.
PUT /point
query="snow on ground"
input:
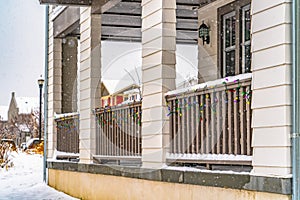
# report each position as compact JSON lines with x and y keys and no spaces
{"x":25,"y":180}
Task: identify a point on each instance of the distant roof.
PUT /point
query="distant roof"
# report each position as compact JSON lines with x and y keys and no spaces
{"x":133,"y":91}
{"x":3,"y":113}
{"x":104,"y":90}
{"x":27,"y":104}
{"x":127,"y":88}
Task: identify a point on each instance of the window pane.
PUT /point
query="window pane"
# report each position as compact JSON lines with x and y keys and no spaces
{"x":230,"y":63}
{"x":230,"y":31}
{"x":246,"y":46}
{"x":233,"y":22}
{"x":247,"y":25}
{"x":236,"y":23}
{"x":247,"y":67}
{"x":227,"y":32}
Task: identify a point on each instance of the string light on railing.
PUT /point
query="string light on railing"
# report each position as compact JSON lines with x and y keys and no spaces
{"x":184,"y":103}
{"x":67,"y":126}
{"x":117,"y":117}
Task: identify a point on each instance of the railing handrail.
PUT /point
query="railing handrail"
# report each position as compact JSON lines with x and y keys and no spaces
{"x":211,"y":85}
{"x":65,"y":116}
{"x":124,"y":157}
{"x":117,"y":107}
{"x":229,"y":87}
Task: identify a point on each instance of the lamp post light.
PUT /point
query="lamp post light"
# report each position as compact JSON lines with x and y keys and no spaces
{"x":41,"y":83}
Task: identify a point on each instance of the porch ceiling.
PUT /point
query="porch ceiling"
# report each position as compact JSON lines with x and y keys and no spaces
{"x":121,"y":19}
{"x":67,"y":2}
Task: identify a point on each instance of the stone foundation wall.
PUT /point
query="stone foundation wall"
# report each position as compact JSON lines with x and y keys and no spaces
{"x":91,"y":181}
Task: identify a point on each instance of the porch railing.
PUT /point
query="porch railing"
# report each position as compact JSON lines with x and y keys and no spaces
{"x":211,"y":123}
{"x":67,"y":132}
{"x":119,"y":132}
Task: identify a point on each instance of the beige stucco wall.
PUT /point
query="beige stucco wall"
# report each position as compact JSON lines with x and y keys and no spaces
{"x":208,"y":53}
{"x":96,"y":186}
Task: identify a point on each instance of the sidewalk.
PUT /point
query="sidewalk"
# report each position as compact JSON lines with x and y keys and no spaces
{"x":25,"y":180}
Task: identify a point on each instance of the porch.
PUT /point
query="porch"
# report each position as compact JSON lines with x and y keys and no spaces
{"x":210,"y":124}
{"x":223,"y":122}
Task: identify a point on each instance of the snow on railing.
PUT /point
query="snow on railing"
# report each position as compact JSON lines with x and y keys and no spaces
{"x":210,"y":158}
{"x":65,"y":115}
{"x":60,"y":155}
{"x":211,"y":84}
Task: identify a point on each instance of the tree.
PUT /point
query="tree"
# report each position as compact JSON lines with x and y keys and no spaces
{"x":23,"y":125}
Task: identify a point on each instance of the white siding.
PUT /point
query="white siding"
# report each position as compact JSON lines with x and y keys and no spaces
{"x":90,"y":78}
{"x":54,"y":85}
{"x":158,"y":68}
{"x":271,"y":102}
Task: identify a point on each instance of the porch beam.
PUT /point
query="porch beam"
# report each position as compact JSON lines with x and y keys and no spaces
{"x":66,"y":22}
{"x":205,"y":2}
{"x":102,"y":6}
{"x":109,"y":5}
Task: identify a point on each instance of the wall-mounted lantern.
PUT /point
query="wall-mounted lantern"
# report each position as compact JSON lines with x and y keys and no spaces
{"x":204,"y":33}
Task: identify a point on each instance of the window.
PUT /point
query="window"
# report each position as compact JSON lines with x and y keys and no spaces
{"x":234,"y":38}
{"x":246,"y":39}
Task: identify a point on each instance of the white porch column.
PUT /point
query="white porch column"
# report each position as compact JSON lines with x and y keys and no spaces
{"x":54,"y":85}
{"x":90,"y":78}
{"x":271,"y":102}
{"x":69,"y":74}
{"x":158,"y":77}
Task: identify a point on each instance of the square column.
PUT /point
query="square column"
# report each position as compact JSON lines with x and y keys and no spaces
{"x":54,"y":85}
{"x":158,"y":77}
{"x":69,"y":74}
{"x":90,"y":80}
{"x":271,"y":98}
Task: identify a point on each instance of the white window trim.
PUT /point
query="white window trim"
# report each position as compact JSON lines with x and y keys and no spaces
{"x":225,"y":50}
{"x":244,"y":43}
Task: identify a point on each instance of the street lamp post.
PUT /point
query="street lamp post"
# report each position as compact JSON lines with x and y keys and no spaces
{"x":41,"y":83}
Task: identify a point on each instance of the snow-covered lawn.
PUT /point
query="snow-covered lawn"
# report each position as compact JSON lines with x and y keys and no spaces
{"x":25,"y":180}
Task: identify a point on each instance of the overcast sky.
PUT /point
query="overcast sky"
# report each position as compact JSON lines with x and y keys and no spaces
{"x":22,"y":53}
{"x":21,"y":48}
